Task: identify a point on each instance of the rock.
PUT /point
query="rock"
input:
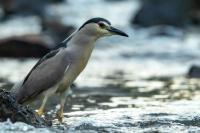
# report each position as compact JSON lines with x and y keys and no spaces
{"x":194,"y":72}
{"x":9,"y":108}
{"x":162,"y":12}
{"x":24,"y":46}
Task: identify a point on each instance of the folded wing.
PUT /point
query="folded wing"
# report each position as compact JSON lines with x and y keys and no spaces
{"x":44,"y":75}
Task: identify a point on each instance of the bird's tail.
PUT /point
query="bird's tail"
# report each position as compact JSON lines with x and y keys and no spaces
{"x":16,"y":88}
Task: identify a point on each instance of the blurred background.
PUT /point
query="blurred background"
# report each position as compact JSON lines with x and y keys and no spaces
{"x":164,"y":36}
{"x":153,"y":67}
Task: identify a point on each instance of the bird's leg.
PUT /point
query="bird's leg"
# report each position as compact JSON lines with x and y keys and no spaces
{"x":60,"y":112}
{"x":40,"y":111}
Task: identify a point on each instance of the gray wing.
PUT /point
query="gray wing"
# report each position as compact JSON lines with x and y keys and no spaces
{"x":47,"y":56}
{"x":18,"y":85}
{"x":44,"y":75}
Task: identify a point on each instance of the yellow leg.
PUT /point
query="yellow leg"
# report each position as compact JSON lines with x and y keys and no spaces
{"x":40,"y":111}
{"x":60,"y":115}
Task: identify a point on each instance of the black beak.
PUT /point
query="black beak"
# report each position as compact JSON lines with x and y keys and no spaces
{"x":117,"y":32}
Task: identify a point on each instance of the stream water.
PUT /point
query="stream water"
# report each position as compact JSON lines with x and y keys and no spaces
{"x":134,"y":84}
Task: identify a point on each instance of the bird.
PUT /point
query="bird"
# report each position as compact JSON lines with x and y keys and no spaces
{"x":58,"y":69}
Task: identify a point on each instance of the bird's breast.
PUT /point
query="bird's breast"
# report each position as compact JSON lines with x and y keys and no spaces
{"x":79,"y":59}
{"x":71,"y":73}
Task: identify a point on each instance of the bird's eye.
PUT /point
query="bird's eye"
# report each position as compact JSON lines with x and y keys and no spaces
{"x":102,"y":25}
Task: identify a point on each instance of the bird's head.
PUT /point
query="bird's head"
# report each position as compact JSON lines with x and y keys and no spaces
{"x":100,"y":27}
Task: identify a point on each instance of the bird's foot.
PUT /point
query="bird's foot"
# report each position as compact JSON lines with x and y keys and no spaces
{"x":60,"y":115}
{"x":40,"y":111}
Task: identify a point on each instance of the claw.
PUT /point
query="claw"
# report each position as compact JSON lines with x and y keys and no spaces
{"x":40,"y":111}
{"x":60,"y":114}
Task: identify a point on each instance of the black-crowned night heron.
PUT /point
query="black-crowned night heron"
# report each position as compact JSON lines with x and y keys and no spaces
{"x":56,"y":71}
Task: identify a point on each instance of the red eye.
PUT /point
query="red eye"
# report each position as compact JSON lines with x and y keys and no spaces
{"x":102,"y":25}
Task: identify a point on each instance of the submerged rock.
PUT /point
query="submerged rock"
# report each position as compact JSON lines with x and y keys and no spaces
{"x":10,"y":109}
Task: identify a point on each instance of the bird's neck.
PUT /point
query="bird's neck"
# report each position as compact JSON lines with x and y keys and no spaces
{"x":83,"y":39}
{"x":82,"y":45}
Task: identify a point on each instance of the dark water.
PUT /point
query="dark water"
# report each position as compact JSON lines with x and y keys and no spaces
{"x":130,"y":85}
{"x":162,"y":104}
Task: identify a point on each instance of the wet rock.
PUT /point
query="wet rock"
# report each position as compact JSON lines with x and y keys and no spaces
{"x":194,"y":72}
{"x":24,"y":46}
{"x":9,"y":108}
{"x":162,"y":12}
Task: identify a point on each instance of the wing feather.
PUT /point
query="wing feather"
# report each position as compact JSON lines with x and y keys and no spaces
{"x":44,"y":75}
{"x":47,"y":56}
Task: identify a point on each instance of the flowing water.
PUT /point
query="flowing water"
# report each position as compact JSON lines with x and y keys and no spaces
{"x":134,"y":84}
